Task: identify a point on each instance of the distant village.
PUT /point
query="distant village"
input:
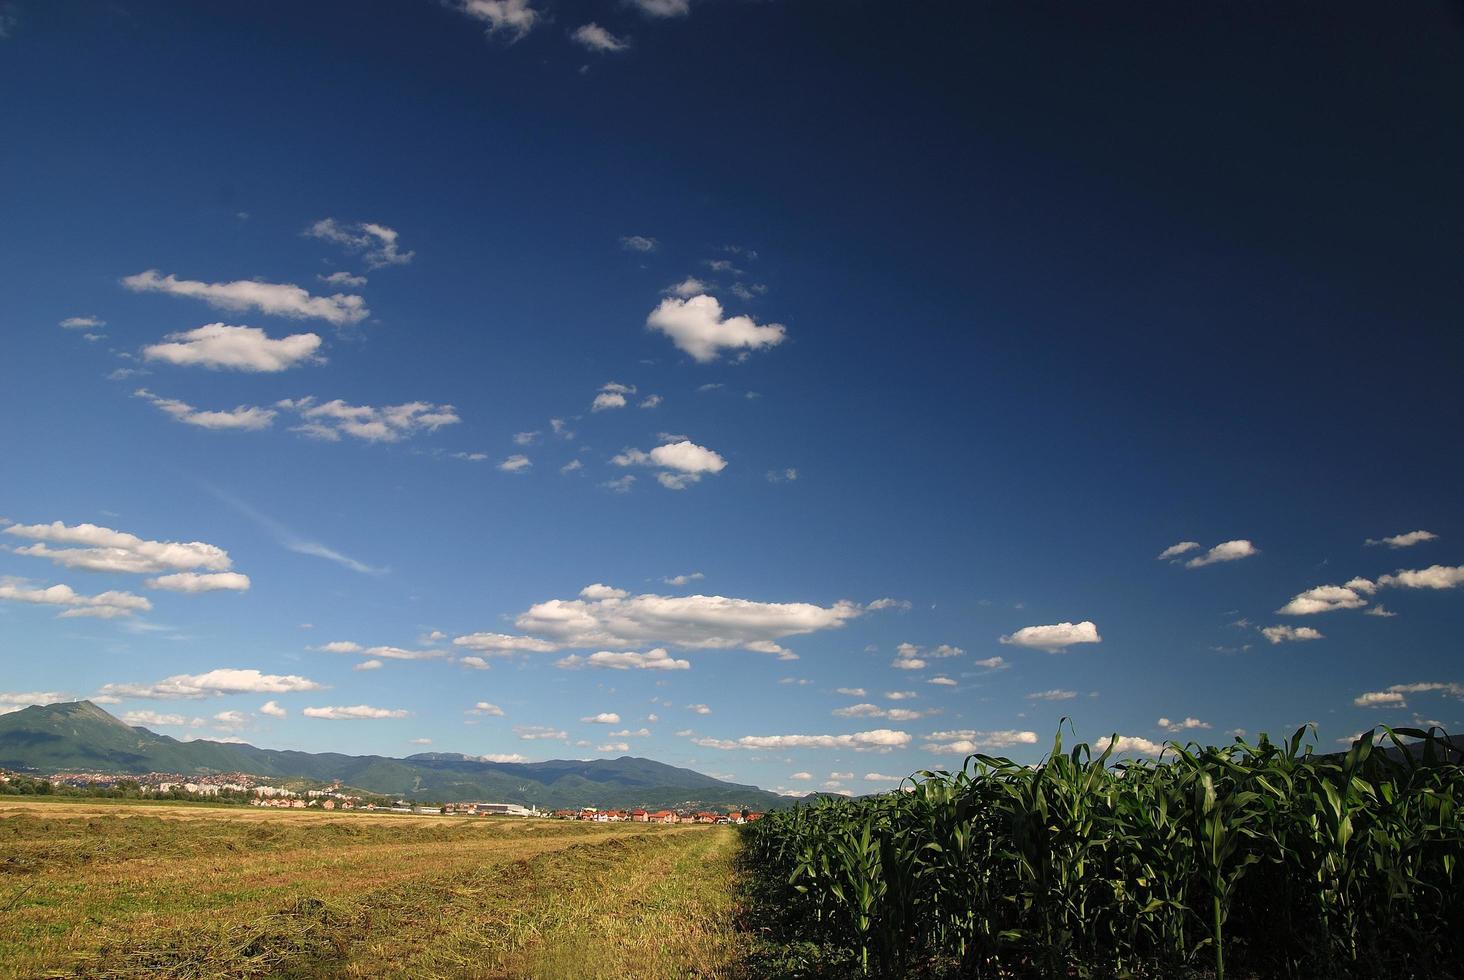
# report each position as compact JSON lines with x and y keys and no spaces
{"x":238,"y":787}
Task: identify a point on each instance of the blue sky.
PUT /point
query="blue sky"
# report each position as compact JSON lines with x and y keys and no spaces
{"x":915,"y":336}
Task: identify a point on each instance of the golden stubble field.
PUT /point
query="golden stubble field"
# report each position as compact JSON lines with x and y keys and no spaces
{"x":119,"y":890}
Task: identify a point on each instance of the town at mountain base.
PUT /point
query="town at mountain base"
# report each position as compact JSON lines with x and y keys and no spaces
{"x":79,"y":737}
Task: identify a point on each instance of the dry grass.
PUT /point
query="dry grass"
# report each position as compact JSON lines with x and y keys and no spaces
{"x":132,"y":891}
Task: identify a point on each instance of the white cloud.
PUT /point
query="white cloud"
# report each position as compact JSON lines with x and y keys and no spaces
{"x":532,"y":733}
{"x":908,"y":663}
{"x":1327,"y":598}
{"x":14,"y":701}
{"x":613,"y":747}
{"x":1055,"y":638}
{"x":1225,"y":551}
{"x":486,"y":708}
{"x":341,"y":646}
{"x":1175,"y":550}
{"x":603,"y":718}
{"x":389,"y":423}
{"x":697,"y":327}
{"x":657,"y":659}
{"x":503,"y":643}
{"x":103,"y":549}
{"x":517,"y":463}
{"x":1182,"y":724}
{"x":698,"y":621}
{"x":277,"y":299}
{"x":83,"y":323}
{"x":690,"y":286}
{"x":1381,"y":611}
{"x":681,"y":463}
{"x":219,"y":345}
{"x":801,"y":776}
{"x":620,"y":484}
{"x":1432,"y":577}
{"x":1129,"y":744}
{"x":1284,"y":634}
{"x":354,"y":712}
{"x":104,"y":605}
{"x":230,"y":719}
{"x":875,"y":711}
{"x":663,"y":8}
{"x":525,"y":438}
{"x":144,"y":718}
{"x":343,"y":279}
{"x":878,"y":605}
{"x":967,"y":741}
{"x":853,"y":692}
{"x":1396,"y":541}
{"x":993,"y":663}
{"x":1381,"y":699}
{"x":699,"y":709}
{"x":476,"y":663}
{"x":651,"y":401}
{"x":627,"y":733}
{"x":369,"y":665}
{"x":376,"y":243}
{"x":250,"y":418}
{"x":200,"y":582}
{"x":1056,"y":694}
{"x":942,"y":681}
{"x":596,"y":38}
{"x":901,"y":695}
{"x":273,"y":709}
{"x":685,"y":579}
{"x":214,"y":683}
{"x":877,"y":740}
{"x":638,"y":243}
{"x":503,"y":757}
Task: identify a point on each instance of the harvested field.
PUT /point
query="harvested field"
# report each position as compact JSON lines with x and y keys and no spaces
{"x":132,"y":891}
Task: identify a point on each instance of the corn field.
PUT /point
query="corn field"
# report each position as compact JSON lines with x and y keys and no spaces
{"x":1248,"y":860}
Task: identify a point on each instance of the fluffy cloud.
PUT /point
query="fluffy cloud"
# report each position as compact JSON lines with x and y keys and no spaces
{"x":273,"y":709}
{"x":879,"y":739}
{"x":377,"y":244}
{"x":1327,"y":598}
{"x":83,"y":323}
{"x":372,"y":664}
{"x":219,"y":345}
{"x":200,"y":582}
{"x":603,"y":718}
{"x":1055,"y":638}
{"x":967,"y":741}
{"x":1290,"y":634}
{"x":697,"y":327}
{"x":690,"y":286}
{"x":1182,"y":724}
{"x":686,"y":579}
{"x":698,"y":621}
{"x":1225,"y":551}
{"x":277,"y":299}
{"x":503,"y":644}
{"x":104,"y":605}
{"x":517,"y":463}
{"x":103,"y":549}
{"x":681,"y":463}
{"x":908,"y":663}
{"x":879,"y":605}
{"x":657,"y":659}
{"x":613,"y":747}
{"x":250,"y":418}
{"x":214,"y":683}
{"x":596,"y":38}
{"x":1129,"y":744}
{"x":354,"y":712}
{"x":142,"y":718}
{"x":993,"y":663}
{"x":1056,"y":694}
{"x":1432,"y":577}
{"x":389,"y":423}
{"x":1396,"y":541}
{"x":486,"y":708}
{"x":502,"y":757}
{"x":1175,"y":550}
{"x":875,"y":711}
{"x":15,"y":700}
{"x":942,"y":681}
{"x":343,"y":279}
{"x":341,"y":646}
{"x":1395,"y":695}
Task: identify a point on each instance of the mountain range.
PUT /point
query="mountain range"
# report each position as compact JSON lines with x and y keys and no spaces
{"x":78,"y":736}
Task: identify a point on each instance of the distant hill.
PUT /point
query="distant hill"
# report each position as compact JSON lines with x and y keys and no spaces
{"x":79,"y":736}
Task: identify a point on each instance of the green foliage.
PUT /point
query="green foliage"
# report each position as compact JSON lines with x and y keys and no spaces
{"x":1249,"y":859}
